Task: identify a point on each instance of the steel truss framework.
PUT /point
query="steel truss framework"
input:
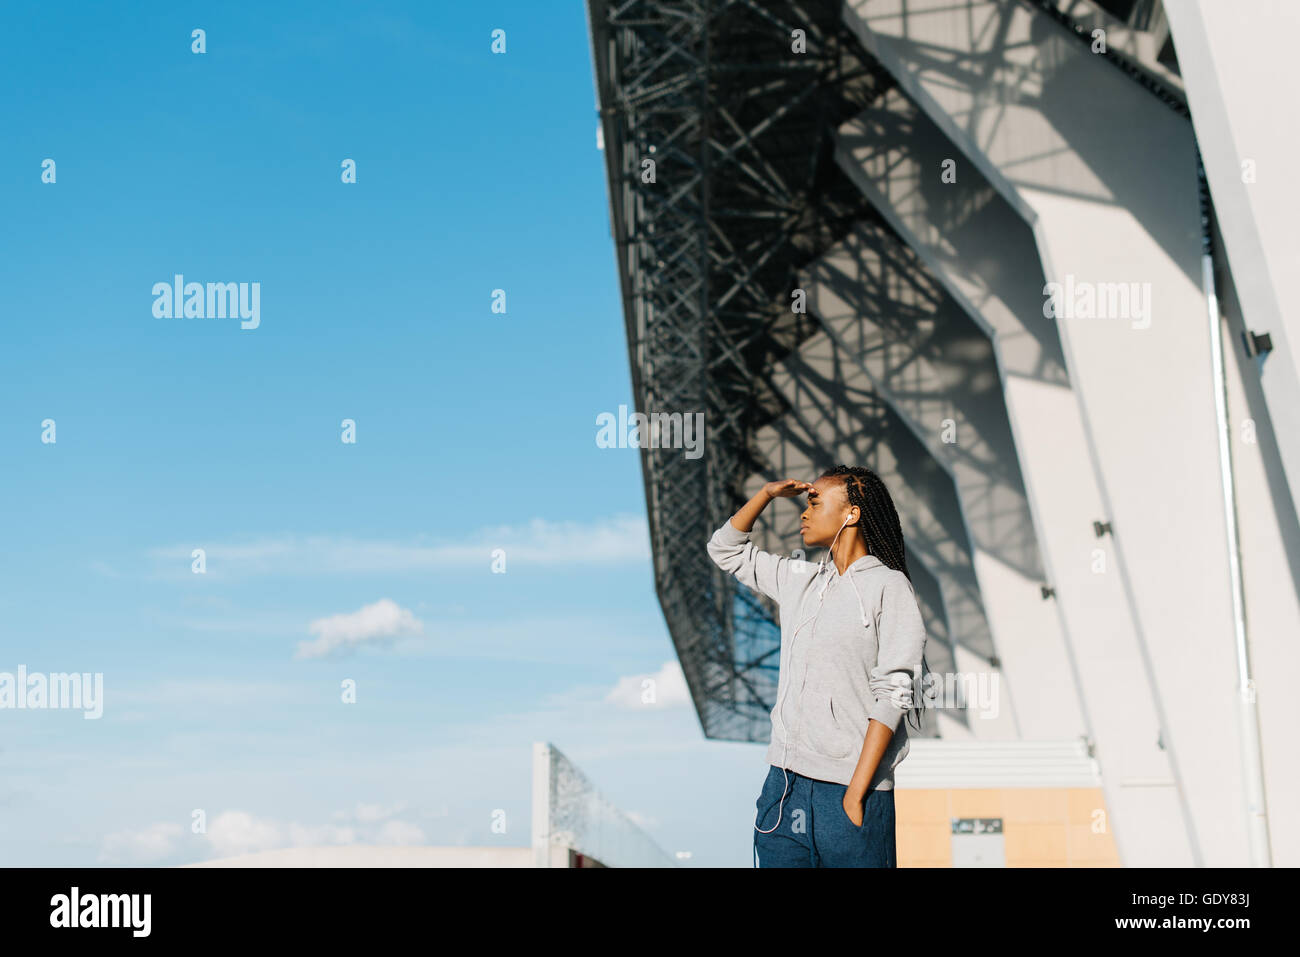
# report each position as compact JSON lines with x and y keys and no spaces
{"x":719,"y":144}
{"x":739,"y":129}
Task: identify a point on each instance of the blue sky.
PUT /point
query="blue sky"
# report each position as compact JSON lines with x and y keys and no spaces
{"x":475,"y":171}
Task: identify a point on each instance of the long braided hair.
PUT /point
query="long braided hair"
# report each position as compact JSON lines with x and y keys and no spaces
{"x":881,"y":532}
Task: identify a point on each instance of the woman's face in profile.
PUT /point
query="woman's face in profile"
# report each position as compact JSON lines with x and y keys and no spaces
{"x":824,"y":513}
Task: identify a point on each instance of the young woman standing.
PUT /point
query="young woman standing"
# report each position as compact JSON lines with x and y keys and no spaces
{"x":851,"y":666}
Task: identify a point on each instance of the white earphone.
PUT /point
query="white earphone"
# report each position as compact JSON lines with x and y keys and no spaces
{"x":784,"y":730}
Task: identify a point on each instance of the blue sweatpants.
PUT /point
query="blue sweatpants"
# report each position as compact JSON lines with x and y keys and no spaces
{"x":814,"y":831}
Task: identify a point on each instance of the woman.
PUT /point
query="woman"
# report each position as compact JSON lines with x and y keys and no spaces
{"x":837,"y":729}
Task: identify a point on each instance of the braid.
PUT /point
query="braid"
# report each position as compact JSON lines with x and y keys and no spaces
{"x":881,"y":531}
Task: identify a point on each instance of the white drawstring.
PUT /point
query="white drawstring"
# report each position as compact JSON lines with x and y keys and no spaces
{"x":785,"y":732}
{"x":861,"y":608}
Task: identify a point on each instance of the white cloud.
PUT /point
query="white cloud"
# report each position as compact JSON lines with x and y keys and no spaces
{"x":232,"y":833}
{"x":620,"y":539}
{"x":154,"y":843}
{"x":238,"y":832}
{"x":623,"y":538}
{"x":216,"y":692}
{"x":105,"y":569}
{"x":302,"y":836}
{"x":368,"y":813}
{"x":400,"y":832}
{"x":666,"y":689}
{"x":374,"y":623}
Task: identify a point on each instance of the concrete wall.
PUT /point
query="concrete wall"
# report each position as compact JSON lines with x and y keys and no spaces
{"x":1102,"y":174}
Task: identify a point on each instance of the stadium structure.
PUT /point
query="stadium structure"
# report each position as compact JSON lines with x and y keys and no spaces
{"x":1027,"y":260}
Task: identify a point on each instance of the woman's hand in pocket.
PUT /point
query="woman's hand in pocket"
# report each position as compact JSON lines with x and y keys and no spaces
{"x":854,"y":808}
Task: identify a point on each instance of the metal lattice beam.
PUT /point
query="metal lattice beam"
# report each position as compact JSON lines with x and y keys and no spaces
{"x":740,"y":129}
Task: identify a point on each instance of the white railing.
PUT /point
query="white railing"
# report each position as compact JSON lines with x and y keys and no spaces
{"x":570,"y":814}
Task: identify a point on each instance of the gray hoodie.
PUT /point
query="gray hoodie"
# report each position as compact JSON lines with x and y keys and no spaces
{"x":856,"y":656}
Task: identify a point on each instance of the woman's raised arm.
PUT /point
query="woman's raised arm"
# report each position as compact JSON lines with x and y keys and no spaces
{"x":733,"y":552}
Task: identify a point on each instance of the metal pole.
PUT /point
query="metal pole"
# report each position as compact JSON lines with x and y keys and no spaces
{"x":1247,"y":706}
